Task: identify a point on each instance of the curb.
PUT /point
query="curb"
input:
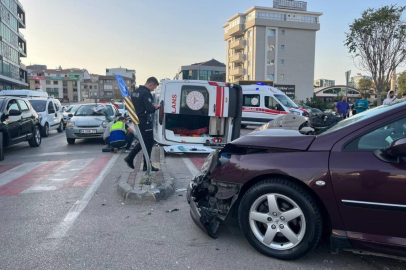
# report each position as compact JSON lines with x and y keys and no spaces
{"x":148,"y":194}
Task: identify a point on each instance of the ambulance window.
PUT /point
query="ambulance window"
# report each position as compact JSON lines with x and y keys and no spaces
{"x":194,"y":100}
{"x":252,"y":100}
{"x":272,"y":104}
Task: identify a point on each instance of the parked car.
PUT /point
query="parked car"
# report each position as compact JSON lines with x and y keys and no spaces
{"x":49,"y":110}
{"x":87,"y":123}
{"x":70,"y":110}
{"x":18,"y":123}
{"x":284,"y":189}
{"x":314,"y":111}
{"x":122,"y":109}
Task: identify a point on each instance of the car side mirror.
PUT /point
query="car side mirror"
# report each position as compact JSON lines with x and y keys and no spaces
{"x":70,"y":115}
{"x":14,"y":113}
{"x":393,"y":152}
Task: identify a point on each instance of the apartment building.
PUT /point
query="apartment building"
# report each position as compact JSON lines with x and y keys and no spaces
{"x":13,"y":46}
{"x":211,"y":70}
{"x":354,"y":81}
{"x":108,"y":87}
{"x":324,"y":83}
{"x":128,"y":73}
{"x":274,"y":44}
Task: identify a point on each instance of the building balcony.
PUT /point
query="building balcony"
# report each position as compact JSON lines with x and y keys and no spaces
{"x":238,"y":44}
{"x":22,"y":66}
{"x":21,"y":36}
{"x":237,"y":30}
{"x":237,"y":58}
{"x":237,"y":72}
{"x":22,"y":52}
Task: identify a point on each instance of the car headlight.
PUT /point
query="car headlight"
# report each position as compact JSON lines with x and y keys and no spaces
{"x":297,"y":113}
{"x":105,"y":124}
{"x":70,"y":124}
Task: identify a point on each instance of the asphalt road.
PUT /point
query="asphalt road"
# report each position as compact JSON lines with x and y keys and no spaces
{"x":59,"y":209}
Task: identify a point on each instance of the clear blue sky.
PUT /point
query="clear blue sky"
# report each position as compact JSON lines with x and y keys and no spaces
{"x":156,"y":37}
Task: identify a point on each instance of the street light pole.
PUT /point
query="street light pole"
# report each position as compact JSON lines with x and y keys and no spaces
{"x":347,"y":79}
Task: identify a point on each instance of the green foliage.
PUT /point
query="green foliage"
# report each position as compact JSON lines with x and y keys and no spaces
{"x":402,"y":83}
{"x":317,"y":103}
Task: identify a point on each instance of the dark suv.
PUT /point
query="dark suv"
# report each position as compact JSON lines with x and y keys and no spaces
{"x":18,"y":122}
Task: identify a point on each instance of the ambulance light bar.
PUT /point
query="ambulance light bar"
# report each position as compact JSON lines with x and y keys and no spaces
{"x":219,"y":84}
{"x":260,"y":83}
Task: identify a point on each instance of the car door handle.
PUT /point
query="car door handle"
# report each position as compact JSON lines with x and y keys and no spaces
{"x":214,"y":108}
{"x":56,"y":115}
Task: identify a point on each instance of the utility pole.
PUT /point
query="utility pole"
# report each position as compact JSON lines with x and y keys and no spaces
{"x":347,"y":79}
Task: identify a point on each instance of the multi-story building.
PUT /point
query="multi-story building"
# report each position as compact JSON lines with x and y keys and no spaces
{"x":64,"y":84}
{"x":211,"y":70}
{"x":90,"y":87}
{"x":31,"y":68}
{"x":128,"y":73}
{"x":324,"y":83}
{"x":13,"y":46}
{"x":108,"y":87}
{"x":354,"y":81}
{"x":275,"y":44}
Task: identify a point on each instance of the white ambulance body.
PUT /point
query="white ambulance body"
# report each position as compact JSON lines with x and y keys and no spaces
{"x":197,"y":112}
{"x":262,"y":104}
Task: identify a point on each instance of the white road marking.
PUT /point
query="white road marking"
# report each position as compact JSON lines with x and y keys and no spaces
{"x":63,"y":228}
{"x":58,"y":179}
{"x":191,"y":167}
{"x":18,"y":171}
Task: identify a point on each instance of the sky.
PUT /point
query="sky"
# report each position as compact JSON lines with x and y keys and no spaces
{"x":157,"y":37}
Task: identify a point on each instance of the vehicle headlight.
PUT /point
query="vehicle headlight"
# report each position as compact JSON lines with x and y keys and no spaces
{"x":297,"y":113}
{"x":105,"y":124}
{"x":70,"y":124}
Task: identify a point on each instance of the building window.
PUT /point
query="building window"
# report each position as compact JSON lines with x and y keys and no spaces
{"x":75,"y":89}
{"x":282,"y":32}
{"x":282,"y":76}
{"x":65,"y":83}
{"x":56,"y":82}
{"x":249,"y":34}
{"x":49,"y":89}
{"x":271,"y":62}
{"x":282,"y":62}
{"x":271,"y":32}
{"x":95,"y":87}
{"x":271,"y":77}
{"x":56,"y":90}
{"x":271,"y":47}
{"x":65,"y":90}
{"x":90,"y":87}
{"x":36,"y":81}
{"x":282,"y":47}
{"x":48,"y":82}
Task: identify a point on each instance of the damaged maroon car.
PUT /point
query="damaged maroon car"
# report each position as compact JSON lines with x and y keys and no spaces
{"x":284,"y":188}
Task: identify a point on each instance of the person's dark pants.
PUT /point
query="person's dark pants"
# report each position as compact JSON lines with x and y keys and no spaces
{"x":148,"y":136}
{"x":119,"y":144}
{"x":129,"y":138}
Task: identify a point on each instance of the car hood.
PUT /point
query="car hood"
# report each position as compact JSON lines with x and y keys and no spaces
{"x":282,"y":138}
{"x":88,"y":120}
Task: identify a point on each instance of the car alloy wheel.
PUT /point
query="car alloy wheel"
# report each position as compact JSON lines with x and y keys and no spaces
{"x":280,"y":219}
{"x":37,"y":136}
{"x":277,"y":221}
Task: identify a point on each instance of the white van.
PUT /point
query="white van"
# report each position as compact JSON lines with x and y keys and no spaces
{"x":262,"y":104}
{"x":49,"y":109}
{"x":197,"y":112}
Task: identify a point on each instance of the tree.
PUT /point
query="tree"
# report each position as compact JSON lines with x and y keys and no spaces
{"x":402,"y":83}
{"x":317,"y":103}
{"x":365,"y":85}
{"x":377,"y":41}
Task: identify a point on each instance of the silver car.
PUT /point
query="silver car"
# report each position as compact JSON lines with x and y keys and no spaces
{"x":86,"y":123}
{"x":71,"y":110}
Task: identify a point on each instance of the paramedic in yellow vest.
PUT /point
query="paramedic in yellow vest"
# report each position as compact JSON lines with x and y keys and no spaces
{"x":118,"y":132}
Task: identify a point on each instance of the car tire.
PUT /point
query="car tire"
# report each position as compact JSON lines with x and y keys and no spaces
{"x":243,"y":126}
{"x":1,"y":146}
{"x":70,"y":141}
{"x":60,"y":128}
{"x":36,"y":139}
{"x":288,"y":230}
{"x":45,"y":130}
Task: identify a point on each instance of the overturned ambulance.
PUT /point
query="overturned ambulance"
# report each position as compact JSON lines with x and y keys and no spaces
{"x":197,"y":113}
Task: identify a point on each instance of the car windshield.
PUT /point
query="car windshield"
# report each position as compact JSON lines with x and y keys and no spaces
{"x":39,"y":105}
{"x":88,"y":110}
{"x":362,"y":116}
{"x":1,"y":102}
{"x":120,"y":105}
{"x":72,"y":109}
{"x":286,"y":101}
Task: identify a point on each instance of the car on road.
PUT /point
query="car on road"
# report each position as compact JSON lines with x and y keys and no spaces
{"x":19,"y":122}
{"x":314,"y":111}
{"x":70,"y":110}
{"x":88,"y":123}
{"x":285,"y":189}
{"x":122,"y":109}
{"x":50,"y":112}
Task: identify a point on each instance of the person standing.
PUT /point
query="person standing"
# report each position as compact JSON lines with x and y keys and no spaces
{"x":389,"y":98}
{"x":343,"y":108}
{"x":144,"y":107}
{"x":362,"y":104}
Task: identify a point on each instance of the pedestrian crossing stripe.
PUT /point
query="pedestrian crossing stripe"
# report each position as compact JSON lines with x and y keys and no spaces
{"x":48,"y":176}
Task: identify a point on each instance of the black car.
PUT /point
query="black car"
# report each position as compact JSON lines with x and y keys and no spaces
{"x":19,"y":122}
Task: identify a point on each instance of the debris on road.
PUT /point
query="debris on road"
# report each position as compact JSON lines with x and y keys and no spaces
{"x":180,"y":189}
{"x":172,"y":210}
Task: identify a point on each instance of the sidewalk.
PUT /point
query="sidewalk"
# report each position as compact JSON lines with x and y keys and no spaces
{"x":135,"y":187}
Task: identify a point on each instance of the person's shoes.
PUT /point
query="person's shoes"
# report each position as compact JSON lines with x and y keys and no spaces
{"x":127,"y":151}
{"x":129,"y":163}
{"x":153,"y":169}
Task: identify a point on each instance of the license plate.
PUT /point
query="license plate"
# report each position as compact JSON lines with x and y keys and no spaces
{"x":87,"y":131}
